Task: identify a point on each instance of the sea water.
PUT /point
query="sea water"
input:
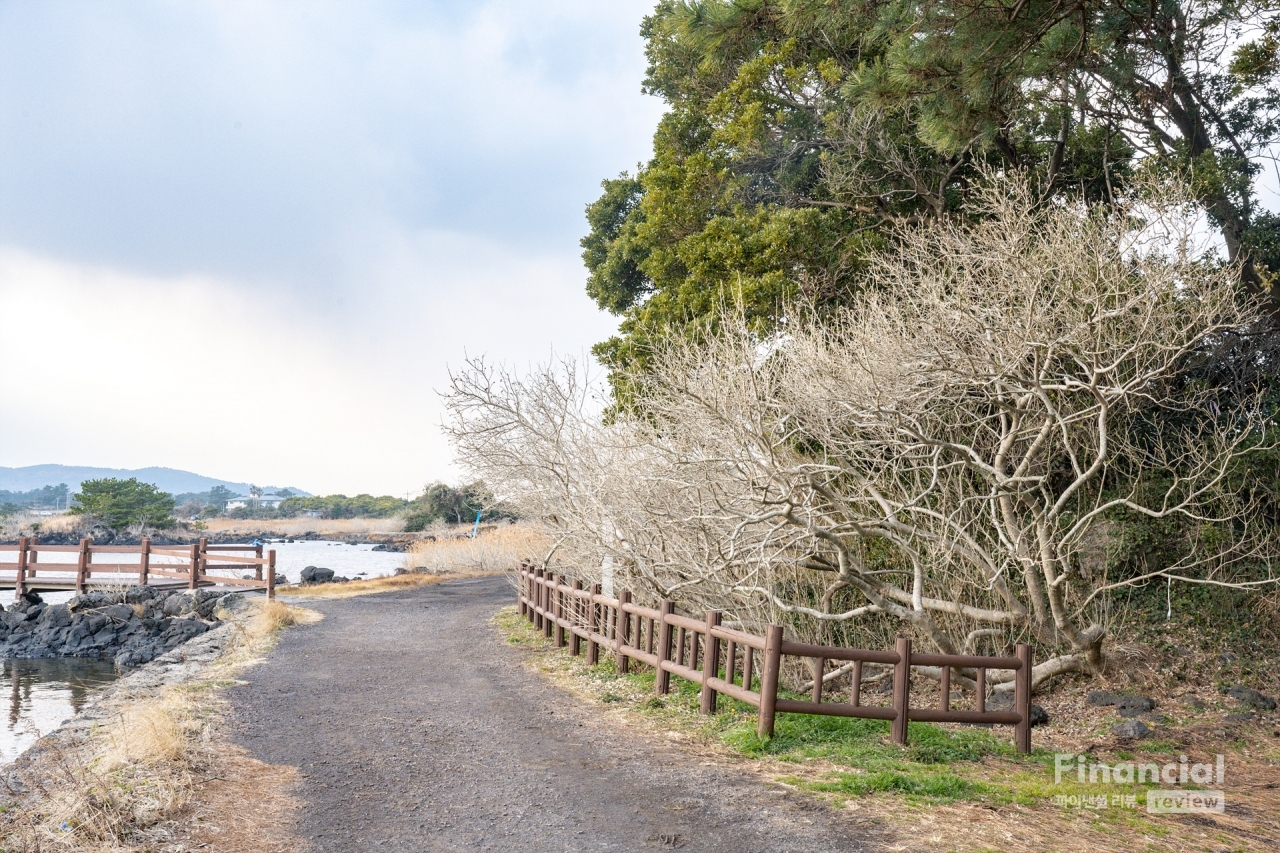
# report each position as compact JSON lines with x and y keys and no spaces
{"x":40,"y":695}
{"x":349,"y":561}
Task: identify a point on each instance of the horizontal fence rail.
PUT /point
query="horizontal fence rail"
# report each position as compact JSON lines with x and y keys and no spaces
{"x":746,"y":667}
{"x":192,"y":566}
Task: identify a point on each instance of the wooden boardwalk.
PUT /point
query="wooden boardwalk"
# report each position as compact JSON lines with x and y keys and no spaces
{"x":87,"y":566}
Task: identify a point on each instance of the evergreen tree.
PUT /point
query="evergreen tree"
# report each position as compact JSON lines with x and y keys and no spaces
{"x":800,"y":132}
{"x":123,"y":503}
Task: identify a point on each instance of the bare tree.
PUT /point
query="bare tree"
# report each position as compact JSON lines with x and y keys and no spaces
{"x":950,"y":452}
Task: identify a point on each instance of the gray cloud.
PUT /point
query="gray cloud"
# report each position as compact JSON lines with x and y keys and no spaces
{"x":353,"y":194}
{"x":246,"y":138}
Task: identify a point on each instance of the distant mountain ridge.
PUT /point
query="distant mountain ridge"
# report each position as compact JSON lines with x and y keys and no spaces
{"x":169,"y":480}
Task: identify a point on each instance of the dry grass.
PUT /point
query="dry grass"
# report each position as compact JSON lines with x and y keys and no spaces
{"x":25,"y":524}
{"x":274,"y":615}
{"x":293,"y":527}
{"x":149,"y":733}
{"x":383,"y":584}
{"x":138,"y":782}
{"x":498,"y":549}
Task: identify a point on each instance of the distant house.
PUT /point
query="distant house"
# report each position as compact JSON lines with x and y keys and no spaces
{"x":264,"y":502}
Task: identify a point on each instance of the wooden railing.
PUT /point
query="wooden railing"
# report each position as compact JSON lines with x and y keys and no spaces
{"x":723,"y":660}
{"x":192,"y":566}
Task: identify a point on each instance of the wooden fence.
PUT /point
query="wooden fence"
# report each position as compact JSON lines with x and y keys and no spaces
{"x":190,"y":566}
{"x":675,"y":644}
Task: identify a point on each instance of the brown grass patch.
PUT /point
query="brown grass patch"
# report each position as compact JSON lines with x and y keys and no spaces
{"x":383,"y":584}
{"x":274,"y":615}
{"x":30,"y":524}
{"x":219,"y":819}
{"x":159,"y":775}
{"x":499,"y":549}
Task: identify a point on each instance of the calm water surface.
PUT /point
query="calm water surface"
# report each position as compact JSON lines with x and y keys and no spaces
{"x":347,"y":560}
{"x":39,"y":695}
{"x":291,"y":558}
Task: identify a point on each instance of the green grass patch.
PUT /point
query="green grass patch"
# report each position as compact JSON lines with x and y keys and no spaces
{"x":931,"y":769}
{"x":939,"y":765}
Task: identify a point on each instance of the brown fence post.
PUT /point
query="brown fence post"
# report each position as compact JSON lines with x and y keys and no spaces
{"x":529,"y":600}
{"x":945,"y":685}
{"x":548,"y":604}
{"x":593,"y":623}
{"x":193,"y":578}
{"x":531,"y":595}
{"x":771,"y":664}
{"x":559,"y":611}
{"x":144,"y":562}
{"x":662,"y":678}
{"x":257,"y":570}
{"x":537,"y":598}
{"x":1022,"y":698}
{"x":82,"y":565}
{"x":520,"y":591}
{"x":20,"y":584}
{"x":819,"y":666}
{"x":855,"y":691}
{"x":901,"y":690}
{"x":33,"y":555}
{"x":575,"y":642}
{"x":271,"y":573}
{"x":621,"y":631}
{"x":710,"y":665}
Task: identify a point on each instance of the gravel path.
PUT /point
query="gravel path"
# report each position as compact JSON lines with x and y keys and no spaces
{"x":416,"y":729}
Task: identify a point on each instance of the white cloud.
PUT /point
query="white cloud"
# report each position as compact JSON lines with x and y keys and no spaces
{"x":246,"y":238}
{"x":122,"y":370}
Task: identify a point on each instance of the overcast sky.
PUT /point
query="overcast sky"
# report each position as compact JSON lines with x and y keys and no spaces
{"x":245,"y":239}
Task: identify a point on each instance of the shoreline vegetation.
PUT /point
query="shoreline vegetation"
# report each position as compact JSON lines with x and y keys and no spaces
{"x":494,"y":552}
{"x":115,"y":511}
{"x":148,"y":767}
{"x":53,"y":529}
{"x":68,"y":529}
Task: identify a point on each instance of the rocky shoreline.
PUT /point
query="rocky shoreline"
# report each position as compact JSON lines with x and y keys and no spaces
{"x":132,"y":627}
{"x":187,"y":663}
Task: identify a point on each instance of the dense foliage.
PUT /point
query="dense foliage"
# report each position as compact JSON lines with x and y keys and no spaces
{"x":121,"y":504}
{"x":454,"y":505}
{"x":341,"y":506}
{"x":801,"y":132}
{"x":45,"y":497}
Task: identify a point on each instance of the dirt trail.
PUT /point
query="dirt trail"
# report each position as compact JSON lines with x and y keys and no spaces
{"x":415,"y":729}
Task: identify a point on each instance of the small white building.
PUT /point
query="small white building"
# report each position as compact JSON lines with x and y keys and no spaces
{"x":264,"y":502}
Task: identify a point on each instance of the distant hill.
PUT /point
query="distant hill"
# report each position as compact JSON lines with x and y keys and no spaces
{"x":166,"y":479}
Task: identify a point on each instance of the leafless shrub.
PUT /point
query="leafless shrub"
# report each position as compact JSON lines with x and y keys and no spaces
{"x":951,"y":452}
